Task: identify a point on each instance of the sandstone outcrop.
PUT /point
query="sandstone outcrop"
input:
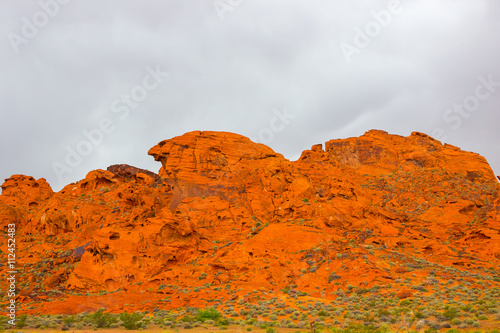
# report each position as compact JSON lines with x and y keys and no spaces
{"x":225,"y":216}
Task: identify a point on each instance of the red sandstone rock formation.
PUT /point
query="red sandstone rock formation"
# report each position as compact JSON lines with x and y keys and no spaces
{"x":225,"y":211}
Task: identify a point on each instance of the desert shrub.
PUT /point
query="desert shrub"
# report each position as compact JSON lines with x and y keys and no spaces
{"x":451,"y":312}
{"x":419,"y":288}
{"x":224,"y":322}
{"x":52,"y":324}
{"x":101,"y":319}
{"x":270,"y":330}
{"x":405,"y":302}
{"x":208,"y":314}
{"x":385,"y":319}
{"x":384,"y":328}
{"x":187,"y":319}
{"x":131,"y":321}
{"x":434,"y":325}
{"x":420,"y":315}
{"x":357,"y":328}
{"x":21,"y":321}
{"x":69,"y":320}
{"x":469,"y":321}
{"x":323,"y":313}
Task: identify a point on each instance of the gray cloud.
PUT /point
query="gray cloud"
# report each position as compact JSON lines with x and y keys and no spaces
{"x":231,"y":74}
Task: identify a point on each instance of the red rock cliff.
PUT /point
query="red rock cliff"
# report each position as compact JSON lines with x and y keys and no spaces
{"x":226,"y":212}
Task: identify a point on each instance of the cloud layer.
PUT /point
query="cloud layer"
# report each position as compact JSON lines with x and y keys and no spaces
{"x":289,"y":74}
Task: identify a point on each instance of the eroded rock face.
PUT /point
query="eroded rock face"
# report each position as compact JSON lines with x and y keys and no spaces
{"x":127,"y":172}
{"x":229,"y":166}
{"x":225,"y":211}
{"x":25,"y":191}
{"x":377,"y":152}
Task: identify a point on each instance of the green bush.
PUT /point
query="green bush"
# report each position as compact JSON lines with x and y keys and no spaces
{"x":187,"y":319}
{"x":453,"y":330}
{"x":451,"y":312}
{"x":420,"y":315}
{"x":469,"y":321}
{"x":270,"y":330}
{"x":224,"y":322}
{"x":405,"y":303}
{"x":21,"y":321}
{"x":131,"y":320}
{"x":357,"y":328}
{"x":69,"y":320}
{"x":323,"y":313}
{"x":208,"y":314}
{"x":102,"y":320}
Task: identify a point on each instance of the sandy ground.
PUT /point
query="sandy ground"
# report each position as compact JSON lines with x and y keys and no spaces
{"x":487,"y":327}
{"x":231,"y":329}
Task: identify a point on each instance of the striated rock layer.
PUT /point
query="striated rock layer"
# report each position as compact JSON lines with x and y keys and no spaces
{"x":225,"y":217}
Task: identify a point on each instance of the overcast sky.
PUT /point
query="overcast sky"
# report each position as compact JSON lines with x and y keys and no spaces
{"x":286,"y":73}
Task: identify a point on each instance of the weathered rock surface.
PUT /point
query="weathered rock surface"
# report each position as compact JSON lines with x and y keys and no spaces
{"x":226,"y":216}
